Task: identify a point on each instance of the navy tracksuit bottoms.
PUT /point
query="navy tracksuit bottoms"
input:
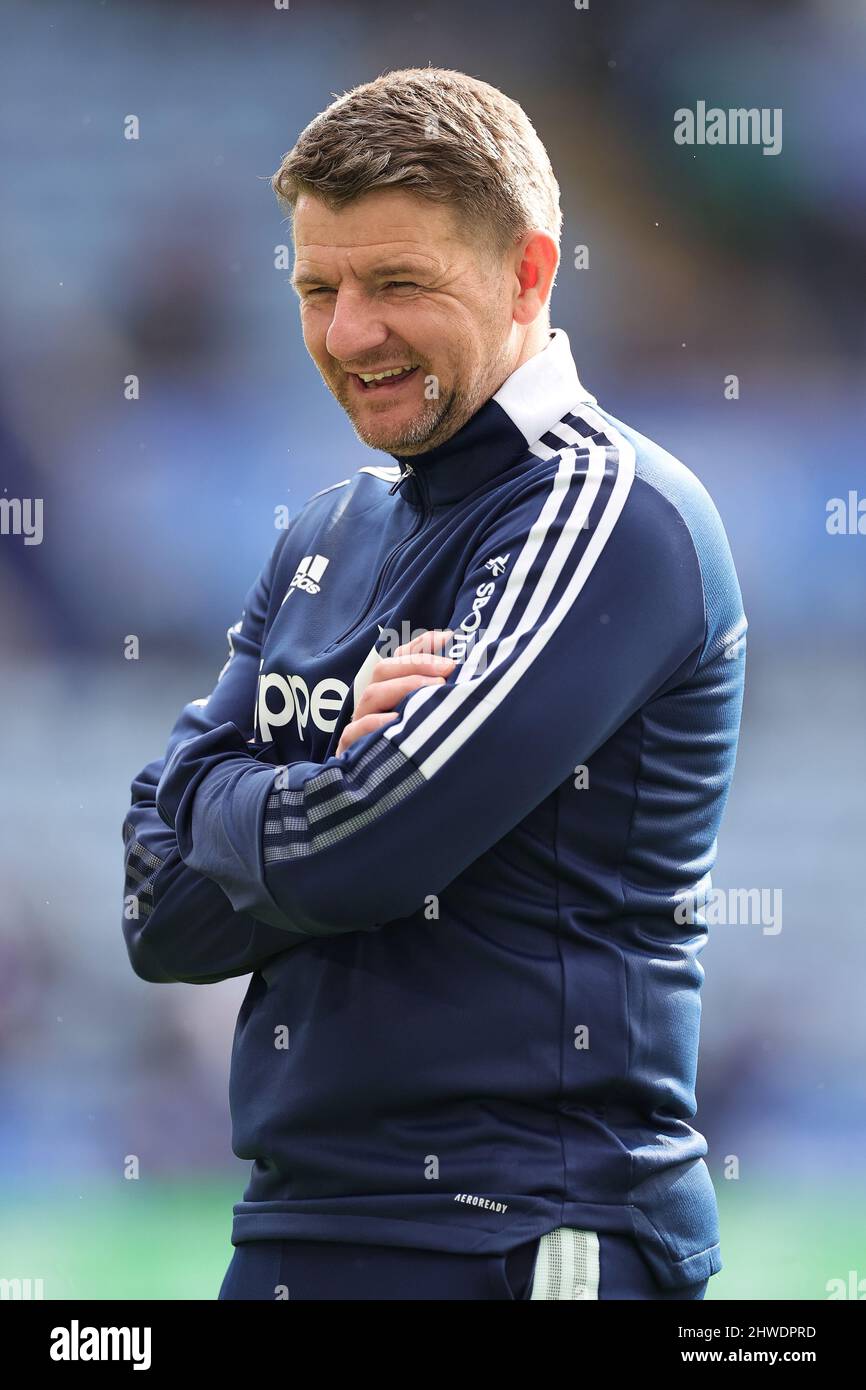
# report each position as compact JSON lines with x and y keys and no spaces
{"x":564,"y":1264}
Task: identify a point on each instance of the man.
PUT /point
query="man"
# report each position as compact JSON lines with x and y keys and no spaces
{"x":454,"y":799}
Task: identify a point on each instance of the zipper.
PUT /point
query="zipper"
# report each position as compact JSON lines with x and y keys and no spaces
{"x":408,"y":472}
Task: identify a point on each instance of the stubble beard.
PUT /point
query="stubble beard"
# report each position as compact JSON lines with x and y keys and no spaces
{"x":427,"y":428}
{"x":440,"y":417}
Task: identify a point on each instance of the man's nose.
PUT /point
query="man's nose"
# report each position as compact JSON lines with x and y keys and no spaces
{"x":356,"y":328}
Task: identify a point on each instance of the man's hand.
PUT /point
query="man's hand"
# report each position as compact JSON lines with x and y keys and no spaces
{"x":414,"y":664}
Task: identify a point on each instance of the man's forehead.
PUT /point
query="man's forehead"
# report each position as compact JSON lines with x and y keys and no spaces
{"x":366,"y":256}
{"x":386,"y":223}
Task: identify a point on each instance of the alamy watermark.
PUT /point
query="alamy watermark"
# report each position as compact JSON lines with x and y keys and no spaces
{"x":720,"y":907}
{"x":22,"y":516}
{"x":77,"y":1343}
{"x":846,"y":516}
{"x":21,"y":1289}
{"x":737,"y":126}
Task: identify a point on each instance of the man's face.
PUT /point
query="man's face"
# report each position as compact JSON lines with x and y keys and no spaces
{"x":390,"y":281}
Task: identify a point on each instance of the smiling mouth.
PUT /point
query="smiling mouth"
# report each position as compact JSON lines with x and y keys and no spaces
{"x":387,"y":380}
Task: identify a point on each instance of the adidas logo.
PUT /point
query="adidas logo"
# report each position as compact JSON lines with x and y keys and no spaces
{"x":308,"y":574}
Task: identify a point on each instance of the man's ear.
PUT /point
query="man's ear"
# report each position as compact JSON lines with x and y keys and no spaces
{"x":536,"y":258}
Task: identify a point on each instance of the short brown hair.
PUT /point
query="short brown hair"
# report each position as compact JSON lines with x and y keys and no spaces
{"x":449,"y":137}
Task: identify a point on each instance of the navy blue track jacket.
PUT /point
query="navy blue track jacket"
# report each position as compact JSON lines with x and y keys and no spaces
{"x":474,"y":1008}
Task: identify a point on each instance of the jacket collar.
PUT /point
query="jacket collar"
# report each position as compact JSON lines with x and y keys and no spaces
{"x":501,"y":432}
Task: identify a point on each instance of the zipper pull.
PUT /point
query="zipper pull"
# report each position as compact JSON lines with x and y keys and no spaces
{"x":407,"y":473}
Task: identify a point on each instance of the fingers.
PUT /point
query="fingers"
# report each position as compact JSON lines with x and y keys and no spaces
{"x":430,"y":641}
{"x":416,"y":657}
{"x":413,"y":665}
{"x":359,"y":727}
{"x":387,"y":694}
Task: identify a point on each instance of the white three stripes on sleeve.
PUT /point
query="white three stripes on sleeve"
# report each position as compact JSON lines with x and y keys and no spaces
{"x":499,"y":678}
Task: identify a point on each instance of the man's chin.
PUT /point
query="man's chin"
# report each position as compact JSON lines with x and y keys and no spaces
{"x":408,"y":437}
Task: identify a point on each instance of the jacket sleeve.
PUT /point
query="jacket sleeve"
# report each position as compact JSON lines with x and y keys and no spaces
{"x":584,"y":598}
{"x":177,"y":924}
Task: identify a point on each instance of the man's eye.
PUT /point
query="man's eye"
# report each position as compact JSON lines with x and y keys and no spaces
{"x":319,"y":289}
{"x":400,"y":284}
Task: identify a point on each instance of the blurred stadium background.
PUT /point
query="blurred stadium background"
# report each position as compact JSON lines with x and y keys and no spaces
{"x":156,"y":257}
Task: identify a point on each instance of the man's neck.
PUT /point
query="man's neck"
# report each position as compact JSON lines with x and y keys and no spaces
{"x":535,"y":341}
